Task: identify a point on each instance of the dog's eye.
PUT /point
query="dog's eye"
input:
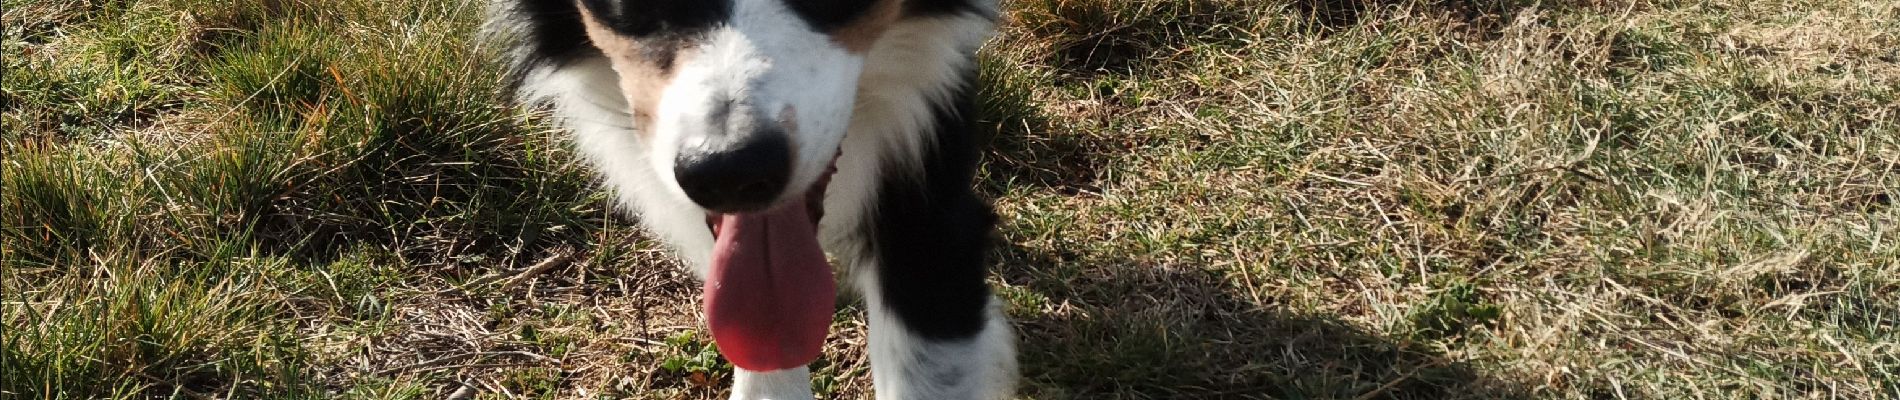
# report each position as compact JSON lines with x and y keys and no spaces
{"x":642,"y":18}
{"x":827,"y":15}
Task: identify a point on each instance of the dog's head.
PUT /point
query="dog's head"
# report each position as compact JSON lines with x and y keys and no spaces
{"x":742,"y":103}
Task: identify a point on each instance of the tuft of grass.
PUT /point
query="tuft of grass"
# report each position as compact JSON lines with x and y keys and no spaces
{"x":693,"y":358}
{"x":151,"y":330}
{"x":1087,"y":36}
{"x":192,"y":193}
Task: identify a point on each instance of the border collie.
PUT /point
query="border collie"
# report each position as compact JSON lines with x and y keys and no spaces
{"x":757,"y":136}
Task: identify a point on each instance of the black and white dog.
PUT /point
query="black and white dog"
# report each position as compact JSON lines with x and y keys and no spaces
{"x":757,"y":136}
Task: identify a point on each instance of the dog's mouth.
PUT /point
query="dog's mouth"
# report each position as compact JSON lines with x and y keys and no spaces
{"x":769,"y":296}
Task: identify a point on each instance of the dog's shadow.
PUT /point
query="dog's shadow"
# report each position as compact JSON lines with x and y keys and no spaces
{"x":1094,"y":326}
{"x":1098,"y":326}
{"x":1122,"y":329}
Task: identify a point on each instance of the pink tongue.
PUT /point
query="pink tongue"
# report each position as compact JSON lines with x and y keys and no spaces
{"x":769,"y":299}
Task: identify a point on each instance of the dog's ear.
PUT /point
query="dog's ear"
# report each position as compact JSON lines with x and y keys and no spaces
{"x":646,"y":18}
{"x":828,"y":15}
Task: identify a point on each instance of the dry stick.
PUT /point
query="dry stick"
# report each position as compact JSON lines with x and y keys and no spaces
{"x":484,"y":365}
{"x":465,"y":392}
{"x":438,"y":362}
{"x":177,"y":387}
{"x":431,"y":362}
{"x":558,"y":259}
{"x":1396,"y":381}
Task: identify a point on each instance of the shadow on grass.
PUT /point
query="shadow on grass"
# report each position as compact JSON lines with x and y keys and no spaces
{"x":1024,"y":147}
{"x":1105,"y":326}
{"x":1087,"y":38}
{"x":1121,"y":329}
{"x":1090,"y":38}
{"x":1485,"y":18}
{"x":1037,"y":148}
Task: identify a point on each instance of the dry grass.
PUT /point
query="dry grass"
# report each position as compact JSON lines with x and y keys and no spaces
{"x":1204,"y":199}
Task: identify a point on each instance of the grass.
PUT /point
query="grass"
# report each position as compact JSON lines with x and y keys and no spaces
{"x":1402,"y":199}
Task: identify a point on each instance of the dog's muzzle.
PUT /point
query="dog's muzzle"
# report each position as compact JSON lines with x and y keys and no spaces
{"x":741,"y":163}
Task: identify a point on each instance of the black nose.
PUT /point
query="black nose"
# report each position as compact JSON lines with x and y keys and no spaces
{"x":742,"y":175}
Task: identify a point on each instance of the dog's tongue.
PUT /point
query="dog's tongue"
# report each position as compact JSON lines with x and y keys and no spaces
{"x":769,"y":298}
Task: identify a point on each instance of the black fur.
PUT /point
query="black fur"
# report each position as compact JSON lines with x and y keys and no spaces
{"x":553,"y":36}
{"x":931,"y":8}
{"x":826,"y":15}
{"x":645,"y":18}
{"x":931,"y":231}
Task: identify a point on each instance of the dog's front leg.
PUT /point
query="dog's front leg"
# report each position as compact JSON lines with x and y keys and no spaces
{"x":907,"y":364}
{"x":784,"y":384}
{"x":936,"y":332}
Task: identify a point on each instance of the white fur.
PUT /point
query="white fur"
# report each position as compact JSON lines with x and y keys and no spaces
{"x":588,"y":101}
{"x":907,"y":367}
{"x":773,"y":66}
{"x":911,"y":70}
{"x":884,"y":99}
{"x":784,"y":384}
{"x":913,"y":67}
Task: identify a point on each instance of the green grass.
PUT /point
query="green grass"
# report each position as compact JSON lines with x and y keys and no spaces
{"x":1288,"y":199}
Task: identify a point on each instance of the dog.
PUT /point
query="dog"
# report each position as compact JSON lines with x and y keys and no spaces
{"x":757,"y":137}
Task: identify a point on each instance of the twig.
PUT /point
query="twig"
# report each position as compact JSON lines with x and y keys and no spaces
{"x":556,"y":260}
{"x":431,"y":362}
{"x":1514,"y":174}
{"x":1339,"y":179}
{"x":176,"y":387}
{"x":1396,"y":381}
{"x":488,"y":365}
{"x":465,"y":392}
{"x":436,"y":363}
